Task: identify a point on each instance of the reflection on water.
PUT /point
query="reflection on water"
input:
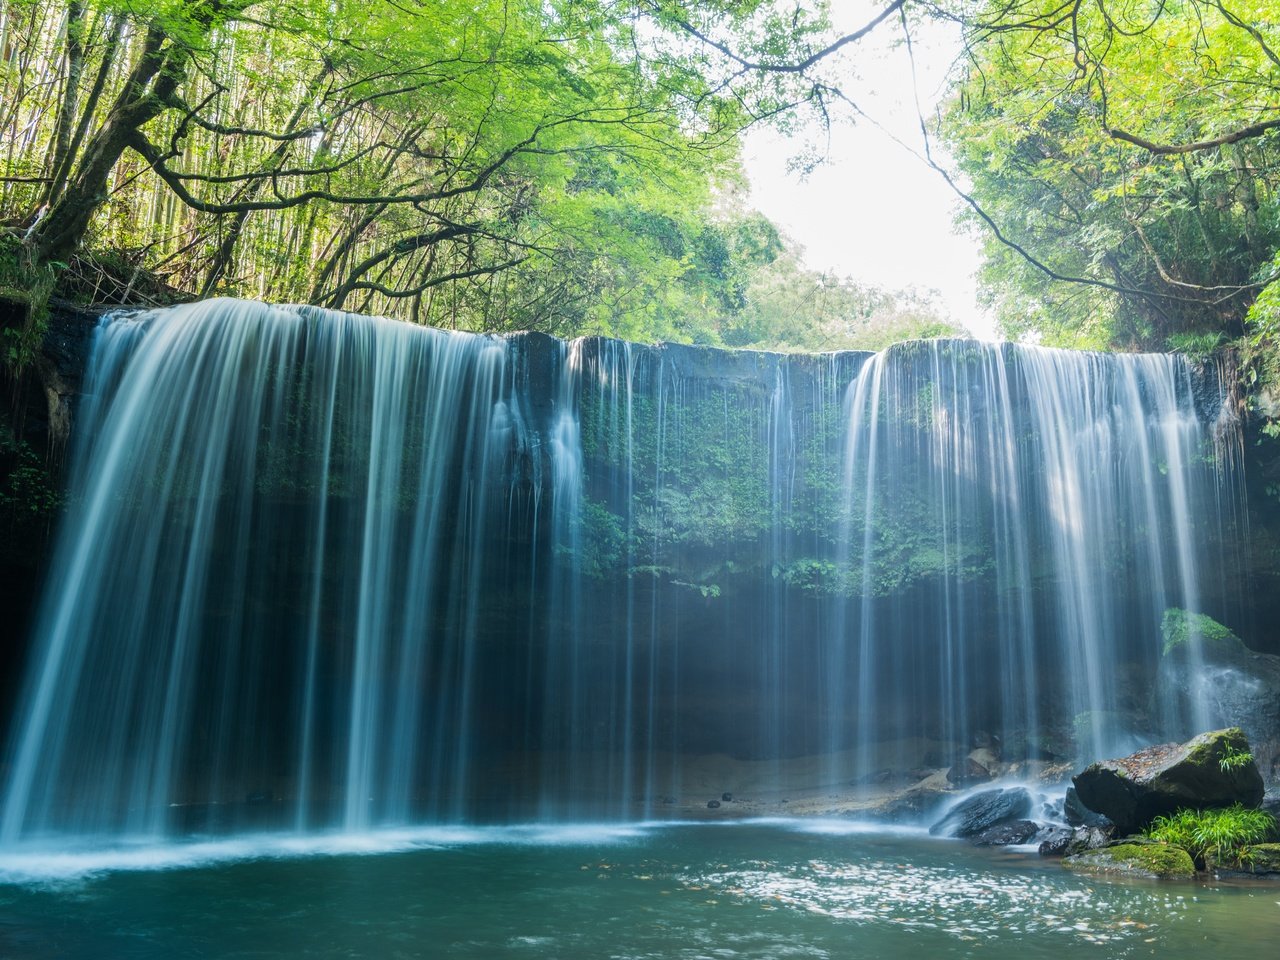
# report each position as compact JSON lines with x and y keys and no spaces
{"x":694,"y":891}
{"x":969,"y":906}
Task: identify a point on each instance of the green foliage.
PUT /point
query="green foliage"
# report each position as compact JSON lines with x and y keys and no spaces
{"x":1179,"y":627}
{"x":28,"y":286}
{"x":1264,"y":314}
{"x":1232,"y":759}
{"x":559,"y":166}
{"x":1196,"y":346}
{"x":29,"y":496}
{"x":1053,"y":122}
{"x":1220,"y":834}
{"x":693,"y":462}
{"x":418,"y":152}
{"x":604,"y":544}
{"x":788,"y":307}
{"x":814,"y":576}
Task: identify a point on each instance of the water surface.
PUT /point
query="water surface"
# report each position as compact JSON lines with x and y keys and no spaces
{"x":690,"y":891}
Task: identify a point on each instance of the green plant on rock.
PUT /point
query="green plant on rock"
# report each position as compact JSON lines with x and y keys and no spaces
{"x":1220,"y":834}
{"x":1233,"y":759}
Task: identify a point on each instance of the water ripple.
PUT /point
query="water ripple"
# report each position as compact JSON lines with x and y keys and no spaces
{"x":965,"y":904}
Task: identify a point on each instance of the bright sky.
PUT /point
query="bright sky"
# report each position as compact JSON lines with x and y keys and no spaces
{"x":874,"y":211}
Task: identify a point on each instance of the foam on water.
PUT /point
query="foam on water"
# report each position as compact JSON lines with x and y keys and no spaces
{"x":35,"y":863}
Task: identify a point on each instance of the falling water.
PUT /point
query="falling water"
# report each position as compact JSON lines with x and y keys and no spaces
{"x":357,"y":573}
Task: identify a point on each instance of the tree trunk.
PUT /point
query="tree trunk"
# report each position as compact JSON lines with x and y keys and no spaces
{"x":63,"y":170}
{"x":147,"y":92}
{"x":70,"y":95}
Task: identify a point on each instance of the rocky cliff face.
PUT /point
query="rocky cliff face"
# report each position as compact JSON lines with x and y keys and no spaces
{"x":36,"y":414}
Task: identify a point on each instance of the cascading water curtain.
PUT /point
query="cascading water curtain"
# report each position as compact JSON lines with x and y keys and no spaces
{"x":1017,"y":521}
{"x":324,"y":571}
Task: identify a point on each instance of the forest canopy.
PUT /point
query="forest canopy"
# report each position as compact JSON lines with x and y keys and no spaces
{"x":573,"y":165}
{"x":1128,"y":155}
{"x":484,"y":165}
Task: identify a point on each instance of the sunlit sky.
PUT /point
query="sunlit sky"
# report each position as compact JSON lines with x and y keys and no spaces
{"x":873,"y":210}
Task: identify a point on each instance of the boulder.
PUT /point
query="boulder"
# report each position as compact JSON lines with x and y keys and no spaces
{"x":1232,"y":684}
{"x":1089,"y":838}
{"x":968,"y":771}
{"x":1261,"y":859}
{"x":1158,"y":861}
{"x":1258,"y":860}
{"x":1134,"y":790}
{"x":1007,"y":834}
{"x":1054,"y":841}
{"x":982,"y":811}
{"x":1077,"y":814}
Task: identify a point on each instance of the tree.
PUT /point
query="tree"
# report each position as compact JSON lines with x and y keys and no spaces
{"x":394,"y":156}
{"x":1122,"y":154}
{"x":1127,"y":155}
{"x":482,"y":165}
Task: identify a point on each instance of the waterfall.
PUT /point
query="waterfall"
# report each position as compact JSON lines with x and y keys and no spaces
{"x":340,"y":572}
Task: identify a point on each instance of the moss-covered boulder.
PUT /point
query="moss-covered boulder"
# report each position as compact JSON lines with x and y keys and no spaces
{"x":1180,"y":628}
{"x":1208,"y":771}
{"x":1261,"y":858}
{"x":1223,"y":680}
{"x":1257,"y":860}
{"x":1158,"y":861}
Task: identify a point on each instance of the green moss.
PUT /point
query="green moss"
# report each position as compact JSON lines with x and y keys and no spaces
{"x":1159,"y":860}
{"x":1179,"y":628}
{"x":1210,"y":749}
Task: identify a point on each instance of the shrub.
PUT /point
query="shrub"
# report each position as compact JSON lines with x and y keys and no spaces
{"x":1221,"y":834}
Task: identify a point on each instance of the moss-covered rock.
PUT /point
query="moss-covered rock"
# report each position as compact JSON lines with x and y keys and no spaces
{"x":1257,"y":860}
{"x":1223,"y":680}
{"x":1178,"y":627}
{"x":1261,"y":859}
{"x":1159,"y":861}
{"x":1207,"y":772}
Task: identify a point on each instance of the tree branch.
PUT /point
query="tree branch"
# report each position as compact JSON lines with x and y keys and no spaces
{"x":1245,"y":133}
{"x":799,"y":66}
{"x":437,"y":281}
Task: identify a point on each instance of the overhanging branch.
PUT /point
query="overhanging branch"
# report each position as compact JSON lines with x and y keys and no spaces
{"x":799,"y":66}
{"x":1170,"y":149}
